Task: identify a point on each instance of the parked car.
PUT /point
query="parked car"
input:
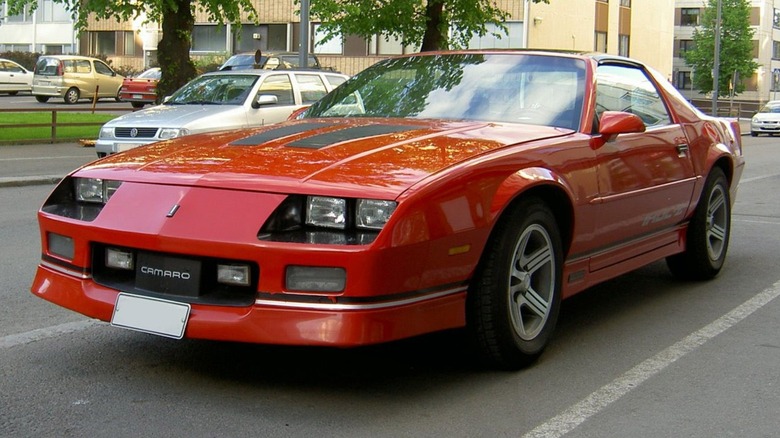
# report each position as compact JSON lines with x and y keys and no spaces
{"x":766,"y":120}
{"x":431,"y":191}
{"x":72,"y":78}
{"x":218,"y":101}
{"x":141,"y":89}
{"x":14,"y":78}
{"x":268,"y":61}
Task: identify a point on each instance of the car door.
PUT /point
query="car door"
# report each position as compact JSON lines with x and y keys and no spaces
{"x":107,"y":80}
{"x":13,"y":77}
{"x":646,"y":179}
{"x":279,"y":85}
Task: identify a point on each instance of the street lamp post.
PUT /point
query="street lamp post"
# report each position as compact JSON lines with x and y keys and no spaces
{"x":716,"y":63}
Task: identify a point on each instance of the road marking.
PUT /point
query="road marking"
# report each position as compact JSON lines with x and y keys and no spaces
{"x":597,"y":401}
{"x":45,"y":333}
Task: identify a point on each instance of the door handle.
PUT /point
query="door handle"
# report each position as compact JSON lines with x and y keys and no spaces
{"x":682,"y":150}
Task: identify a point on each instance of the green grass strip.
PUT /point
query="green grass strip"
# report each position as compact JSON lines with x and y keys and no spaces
{"x":12,"y":129}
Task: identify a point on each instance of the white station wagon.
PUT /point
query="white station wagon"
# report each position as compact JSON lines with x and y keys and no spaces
{"x":219,"y":101}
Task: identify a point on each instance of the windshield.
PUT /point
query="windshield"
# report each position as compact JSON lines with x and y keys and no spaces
{"x":517,"y":88}
{"x":214,"y":90}
{"x":152,"y":73}
{"x":773,"y":108}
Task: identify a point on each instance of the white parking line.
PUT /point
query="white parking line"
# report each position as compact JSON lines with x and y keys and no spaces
{"x":597,"y":401}
{"x":45,"y":333}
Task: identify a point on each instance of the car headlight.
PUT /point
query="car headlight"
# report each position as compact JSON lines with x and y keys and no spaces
{"x":327,"y":219}
{"x":94,"y":190}
{"x":106,"y":132}
{"x":167,"y":133}
{"x":373,"y":214}
{"x":322,"y":211}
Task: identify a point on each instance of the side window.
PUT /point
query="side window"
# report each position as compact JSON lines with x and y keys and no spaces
{"x":312,"y":88}
{"x":335,"y":81}
{"x":103,"y":69}
{"x":628,"y":89}
{"x":279,"y":86}
{"x":83,"y":67}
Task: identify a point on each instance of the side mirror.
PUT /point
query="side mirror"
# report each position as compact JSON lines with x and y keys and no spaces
{"x":613,"y":123}
{"x":265,"y":99}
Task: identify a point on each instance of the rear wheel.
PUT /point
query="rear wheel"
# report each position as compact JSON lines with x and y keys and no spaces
{"x":708,"y":233}
{"x":42,"y":99}
{"x":137,"y":104}
{"x":514,"y":300}
{"x":13,"y":93}
{"x":72,"y":95}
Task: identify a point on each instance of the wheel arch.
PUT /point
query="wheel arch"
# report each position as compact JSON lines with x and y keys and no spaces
{"x":548,"y":189}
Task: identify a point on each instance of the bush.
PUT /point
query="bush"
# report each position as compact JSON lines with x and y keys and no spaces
{"x":25,"y":59}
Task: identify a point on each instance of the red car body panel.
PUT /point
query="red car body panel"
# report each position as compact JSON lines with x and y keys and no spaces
{"x":623,"y":201}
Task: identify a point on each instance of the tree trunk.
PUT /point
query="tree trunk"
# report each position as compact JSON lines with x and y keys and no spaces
{"x":173,"y":51}
{"x":434,"y":39}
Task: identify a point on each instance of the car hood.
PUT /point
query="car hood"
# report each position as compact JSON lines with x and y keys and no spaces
{"x":381,"y":157}
{"x":168,"y":116}
{"x":774,"y":117}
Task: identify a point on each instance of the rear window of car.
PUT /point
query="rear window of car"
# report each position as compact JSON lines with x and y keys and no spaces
{"x":48,"y":67}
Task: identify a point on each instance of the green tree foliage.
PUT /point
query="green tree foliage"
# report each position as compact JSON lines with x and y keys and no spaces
{"x":426,"y":24}
{"x":177,"y":20}
{"x":736,"y":48}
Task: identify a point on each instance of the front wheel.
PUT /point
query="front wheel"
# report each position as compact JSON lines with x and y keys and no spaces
{"x":72,"y":95}
{"x":708,"y":233}
{"x":515,"y":297}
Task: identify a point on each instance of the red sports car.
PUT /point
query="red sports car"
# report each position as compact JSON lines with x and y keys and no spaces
{"x":470,"y":189}
{"x":141,"y":89}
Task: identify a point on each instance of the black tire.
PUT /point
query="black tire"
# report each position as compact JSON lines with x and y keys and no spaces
{"x":138,"y":105}
{"x":42,"y":99}
{"x":72,"y":95}
{"x":753,"y":134}
{"x":708,"y":233}
{"x":514,"y":299}
{"x":13,"y":93}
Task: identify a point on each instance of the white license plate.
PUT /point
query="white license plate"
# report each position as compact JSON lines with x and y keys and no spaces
{"x":137,"y":96}
{"x":151,"y":315}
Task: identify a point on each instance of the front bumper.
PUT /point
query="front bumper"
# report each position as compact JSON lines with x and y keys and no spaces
{"x":105,"y":147}
{"x":276,"y":321}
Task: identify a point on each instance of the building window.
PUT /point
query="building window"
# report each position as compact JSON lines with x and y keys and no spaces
{"x":600,"y":43}
{"x":689,"y":16}
{"x":623,"y":44}
{"x":684,"y":80}
{"x":625,"y":3}
{"x":102,"y":43}
{"x":682,"y":47}
{"x":129,"y":46}
{"x":775,"y":49}
{"x":209,"y":38}
{"x":776,"y":19}
{"x":335,"y":46}
{"x":24,"y":17}
{"x":50,"y":12}
{"x":513,"y":39}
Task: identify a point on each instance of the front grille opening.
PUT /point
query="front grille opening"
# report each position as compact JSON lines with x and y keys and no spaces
{"x":174,"y":277}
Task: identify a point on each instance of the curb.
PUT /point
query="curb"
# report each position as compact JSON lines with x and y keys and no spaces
{"x":30,"y":180}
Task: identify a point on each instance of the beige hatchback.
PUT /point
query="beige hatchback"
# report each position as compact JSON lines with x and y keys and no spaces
{"x":74,"y":77}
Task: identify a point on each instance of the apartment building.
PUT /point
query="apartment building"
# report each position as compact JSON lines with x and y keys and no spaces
{"x":642,"y":29}
{"x":48,"y":29}
{"x":765,"y":21}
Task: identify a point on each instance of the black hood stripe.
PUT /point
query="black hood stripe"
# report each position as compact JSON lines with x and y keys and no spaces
{"x":277,"y":133}
{"x":329,"y":138}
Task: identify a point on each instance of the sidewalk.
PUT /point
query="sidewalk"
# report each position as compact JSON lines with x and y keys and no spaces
{"x":33,"y":164}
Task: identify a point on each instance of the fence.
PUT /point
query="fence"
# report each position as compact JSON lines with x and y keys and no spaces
{"x":54,"y":123}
